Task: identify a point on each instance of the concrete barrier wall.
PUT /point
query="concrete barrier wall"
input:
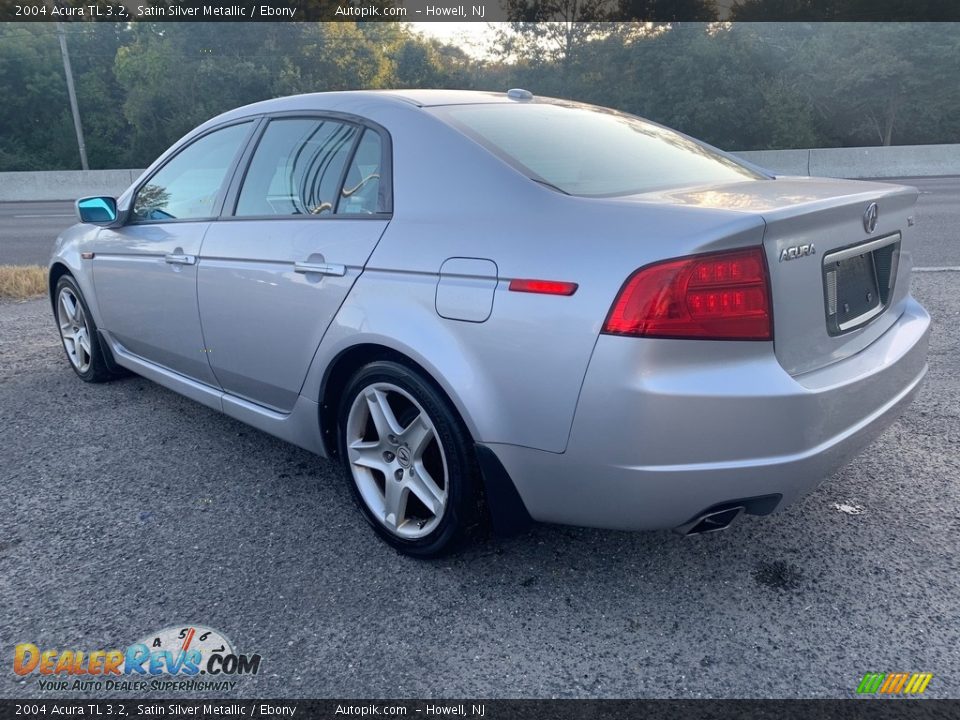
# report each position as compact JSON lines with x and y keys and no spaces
{"x":779,"y":162}
{"x":862,"y":162}
{"x":865,"y":162}
{"x":64,"y":184}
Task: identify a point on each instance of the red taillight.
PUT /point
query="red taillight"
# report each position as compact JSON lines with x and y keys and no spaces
{"x":544,"y":287}
{"x":717,"y":296}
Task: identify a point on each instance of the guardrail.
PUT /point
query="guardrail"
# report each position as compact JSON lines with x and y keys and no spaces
{"x":861,"y":162}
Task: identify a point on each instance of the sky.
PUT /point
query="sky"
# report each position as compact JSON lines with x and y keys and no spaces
{"x":472,"y":37}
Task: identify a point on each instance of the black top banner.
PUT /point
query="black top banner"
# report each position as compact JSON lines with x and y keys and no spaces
{"x":660,"y":11}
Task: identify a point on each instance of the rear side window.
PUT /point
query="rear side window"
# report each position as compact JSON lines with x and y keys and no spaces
{"x":362,"y":191}
{"x":188,"y":185}
{"x":297,"y":168}
{"x":591,"y":151}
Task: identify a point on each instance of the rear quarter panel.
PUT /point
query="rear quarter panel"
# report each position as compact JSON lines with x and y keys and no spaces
{"x":515,"y":377}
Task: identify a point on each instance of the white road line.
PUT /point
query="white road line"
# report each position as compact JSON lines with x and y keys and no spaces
{"x":955,"y":268}
{"x":43,"y":216}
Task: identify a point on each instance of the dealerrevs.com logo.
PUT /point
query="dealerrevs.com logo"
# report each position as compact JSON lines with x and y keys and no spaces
{"x":179,"y":658}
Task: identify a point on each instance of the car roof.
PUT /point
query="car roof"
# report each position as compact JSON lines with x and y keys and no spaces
{"x":359,"y":101}
{"x":431,"y":98}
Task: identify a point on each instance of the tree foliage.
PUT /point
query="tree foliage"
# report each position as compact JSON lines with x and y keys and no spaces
{"x":758,"y":85}
{"x":740,"y":86}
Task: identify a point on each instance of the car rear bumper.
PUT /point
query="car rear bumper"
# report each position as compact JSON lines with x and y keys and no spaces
{"x":665,"y":429}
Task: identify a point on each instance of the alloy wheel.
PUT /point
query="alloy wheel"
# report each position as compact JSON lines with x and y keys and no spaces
{"x":74,"y":329}
{"x":397,"y":460}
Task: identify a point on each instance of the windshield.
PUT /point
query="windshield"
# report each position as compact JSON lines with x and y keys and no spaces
{"x":591,"y":151}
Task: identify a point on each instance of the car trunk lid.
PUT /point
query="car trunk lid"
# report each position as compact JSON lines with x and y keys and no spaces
{"x":838,"y":276}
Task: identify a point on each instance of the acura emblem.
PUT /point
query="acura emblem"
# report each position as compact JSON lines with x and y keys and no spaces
{"x":870,"y":218}
{"x":797,"y":251}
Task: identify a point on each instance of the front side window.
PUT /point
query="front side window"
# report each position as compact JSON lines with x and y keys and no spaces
{"x":297,"y":168}
{"x":590,"y":151}
{"x":188,"y":185}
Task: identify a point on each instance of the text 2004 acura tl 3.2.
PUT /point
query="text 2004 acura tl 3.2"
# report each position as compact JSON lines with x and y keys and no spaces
{"x":495,"y":303}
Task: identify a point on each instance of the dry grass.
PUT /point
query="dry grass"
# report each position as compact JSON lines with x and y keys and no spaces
{"x":20,"y":282}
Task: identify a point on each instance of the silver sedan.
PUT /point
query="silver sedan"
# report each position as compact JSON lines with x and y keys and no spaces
{"x":496,"y":307}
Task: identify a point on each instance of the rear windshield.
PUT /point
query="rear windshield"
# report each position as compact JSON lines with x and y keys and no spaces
{"x":591,"y":151}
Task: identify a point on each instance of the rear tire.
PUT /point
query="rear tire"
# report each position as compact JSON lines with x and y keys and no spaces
{"x":408,"y":460}
{"x":78,"y":333}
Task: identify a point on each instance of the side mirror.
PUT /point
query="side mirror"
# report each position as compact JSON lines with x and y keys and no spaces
{"x":97,"y":210}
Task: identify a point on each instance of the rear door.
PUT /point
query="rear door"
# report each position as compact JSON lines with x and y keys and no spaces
{"x":145,"y":272}
{"x":299,"y":225}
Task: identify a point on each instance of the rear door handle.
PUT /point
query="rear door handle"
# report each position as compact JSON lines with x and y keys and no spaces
{"x":180,"y":259}
{"x":320,"y":268}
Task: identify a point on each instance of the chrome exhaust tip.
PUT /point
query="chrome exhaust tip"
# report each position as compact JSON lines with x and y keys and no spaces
{"x":713,"y":521}
{"x":719,"y":516}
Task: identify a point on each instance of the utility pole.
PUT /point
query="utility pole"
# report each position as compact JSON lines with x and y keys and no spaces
{"x":71,"y":91}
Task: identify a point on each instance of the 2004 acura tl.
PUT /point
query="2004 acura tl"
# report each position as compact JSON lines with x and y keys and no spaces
{"x":495,"y":303}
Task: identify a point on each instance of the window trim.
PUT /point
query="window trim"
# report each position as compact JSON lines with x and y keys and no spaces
{"x":217,"y":209}
{"x":232,"y":197}
{"x":345,"y":170}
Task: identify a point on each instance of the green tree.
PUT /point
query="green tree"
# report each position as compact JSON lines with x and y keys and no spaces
{"x":178,"y":75}
{"x":36,"y":130}
{"x":100,"y":96}
{"x":416,"y":65}
{"x":551,"y":33}
{"x":738,"y":85}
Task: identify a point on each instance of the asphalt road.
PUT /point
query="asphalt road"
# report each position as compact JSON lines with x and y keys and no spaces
{"x":938,"y":221}
{"x":28,"y":229}
{"x":127,"y":508}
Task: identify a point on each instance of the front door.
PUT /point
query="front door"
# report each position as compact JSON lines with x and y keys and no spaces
{"x":275,"y":270}
{"x":145,"y":272}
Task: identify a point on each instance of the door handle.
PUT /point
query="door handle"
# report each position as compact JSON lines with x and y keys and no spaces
{"x":180,"y":259}
{"x":320,"y":268}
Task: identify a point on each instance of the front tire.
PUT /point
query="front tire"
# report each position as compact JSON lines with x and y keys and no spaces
{"x":408,"y":459}
{"x":78,"y":333}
